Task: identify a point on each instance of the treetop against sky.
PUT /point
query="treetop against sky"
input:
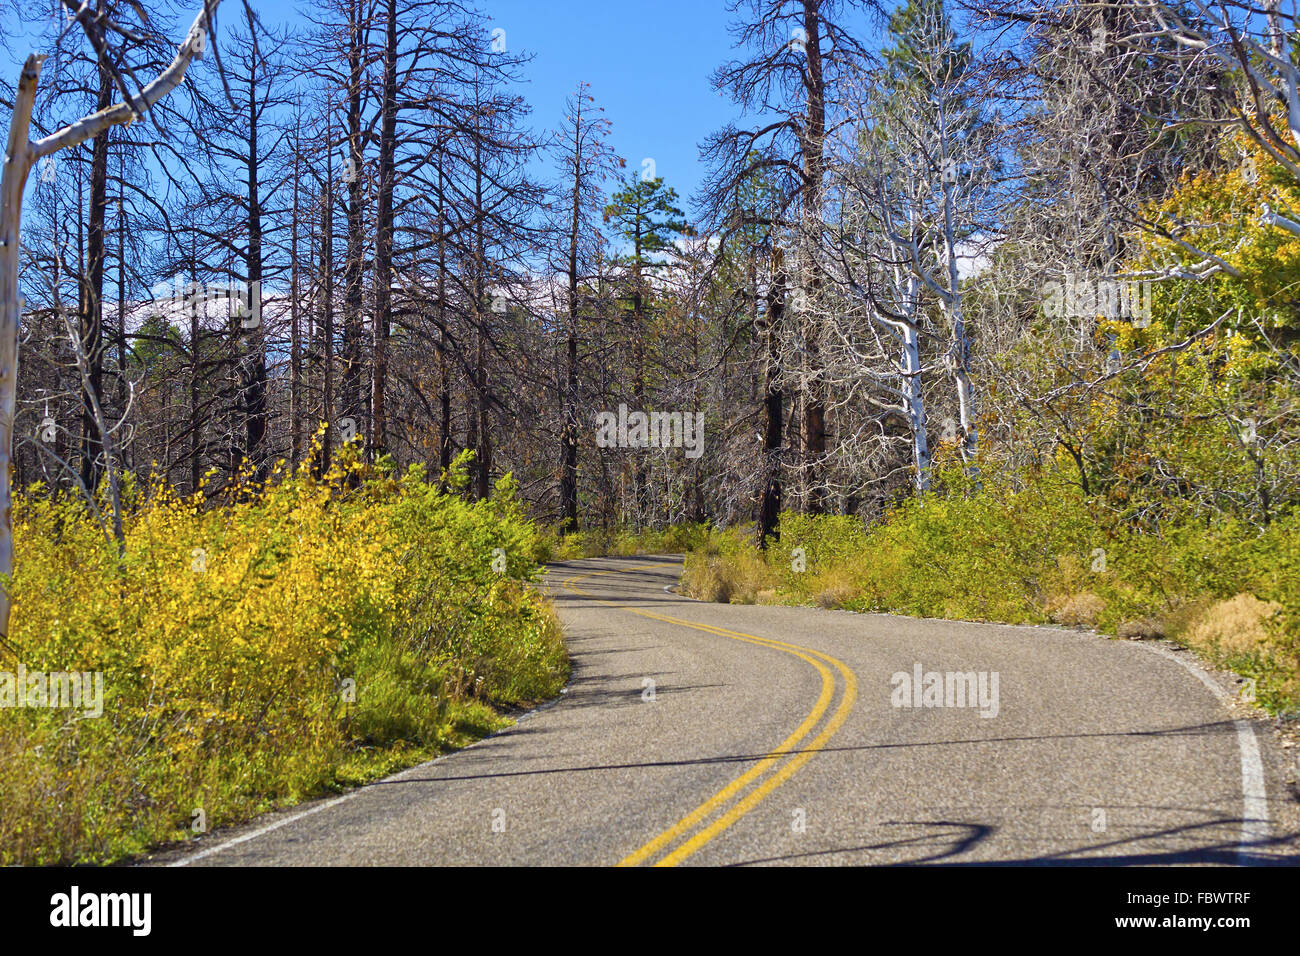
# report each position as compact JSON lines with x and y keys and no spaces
{"x":648,"y":66}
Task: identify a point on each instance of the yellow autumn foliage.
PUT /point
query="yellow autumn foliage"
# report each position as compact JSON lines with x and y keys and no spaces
{"x":303,"y":635}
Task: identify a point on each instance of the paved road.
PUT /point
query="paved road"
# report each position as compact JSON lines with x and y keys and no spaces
{"x":712,"y":734}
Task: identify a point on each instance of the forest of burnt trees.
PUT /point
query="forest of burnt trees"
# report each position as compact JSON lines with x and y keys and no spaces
{"x":349,"y":230}
{"x":366,"y":191}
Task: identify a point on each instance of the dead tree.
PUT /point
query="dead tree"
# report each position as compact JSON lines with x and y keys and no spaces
{"x":20,"y":155}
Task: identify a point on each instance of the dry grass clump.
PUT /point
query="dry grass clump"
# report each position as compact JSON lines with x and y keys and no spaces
{"x":1244,"y":633}
{"x":1141,"y":629}
{"x":733,"y":579}
{"x":1076,"y":610}
{"x":702,"y":579}
{"x":1233,"y":628}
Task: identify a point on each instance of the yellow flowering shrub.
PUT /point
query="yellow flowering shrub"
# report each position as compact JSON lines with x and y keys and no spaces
{"x":302,"y":635}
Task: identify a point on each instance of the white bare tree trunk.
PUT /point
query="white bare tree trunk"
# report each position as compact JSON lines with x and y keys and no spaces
{"x":951,"y":294}
{"x":17,"y":164}
{"x":915,"y":404}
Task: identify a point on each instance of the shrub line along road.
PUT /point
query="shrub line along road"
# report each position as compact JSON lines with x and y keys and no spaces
{"x":716,"y":734}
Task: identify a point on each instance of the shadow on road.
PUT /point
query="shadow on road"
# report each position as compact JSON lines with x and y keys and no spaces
{"x":1215,"y":727}
{"x":939,"y":848}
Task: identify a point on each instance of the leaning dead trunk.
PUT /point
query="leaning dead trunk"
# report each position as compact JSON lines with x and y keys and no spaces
{"x":20,"y":155}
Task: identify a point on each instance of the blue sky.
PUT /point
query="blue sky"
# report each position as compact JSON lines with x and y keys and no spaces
{"x":648,"y":64}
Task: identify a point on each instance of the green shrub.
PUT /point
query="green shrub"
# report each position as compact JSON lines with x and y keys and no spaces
{"x":1030,"y":549}
{"x":306,"y":635}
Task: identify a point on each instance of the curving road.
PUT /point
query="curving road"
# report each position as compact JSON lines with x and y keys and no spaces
{"x":713,"y":734}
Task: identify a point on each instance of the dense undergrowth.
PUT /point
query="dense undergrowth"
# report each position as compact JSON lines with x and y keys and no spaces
{"x":1034,"y":551}
{"x":554,"y":545}
{"x":304,"y":636}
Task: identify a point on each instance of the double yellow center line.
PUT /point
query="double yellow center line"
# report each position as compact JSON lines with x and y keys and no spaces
{"x":737,"y":798}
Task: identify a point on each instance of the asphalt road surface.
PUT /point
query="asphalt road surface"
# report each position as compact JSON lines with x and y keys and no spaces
{"x":710,"y":734}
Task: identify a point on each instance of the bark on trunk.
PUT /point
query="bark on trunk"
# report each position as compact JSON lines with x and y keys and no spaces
{"x":384,"y":240}
{"x":769,"y":506}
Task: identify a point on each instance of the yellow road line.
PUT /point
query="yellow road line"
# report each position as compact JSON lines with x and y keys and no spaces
{"x":719,"y":799}
{"x":790,"y":767}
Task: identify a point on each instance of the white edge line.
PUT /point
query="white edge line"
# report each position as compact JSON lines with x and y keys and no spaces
{"x":1255,"y":827}
{"x":293,"y":818}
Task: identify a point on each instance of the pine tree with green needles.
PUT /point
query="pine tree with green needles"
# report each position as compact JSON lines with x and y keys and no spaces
{"x":645,"y":215}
